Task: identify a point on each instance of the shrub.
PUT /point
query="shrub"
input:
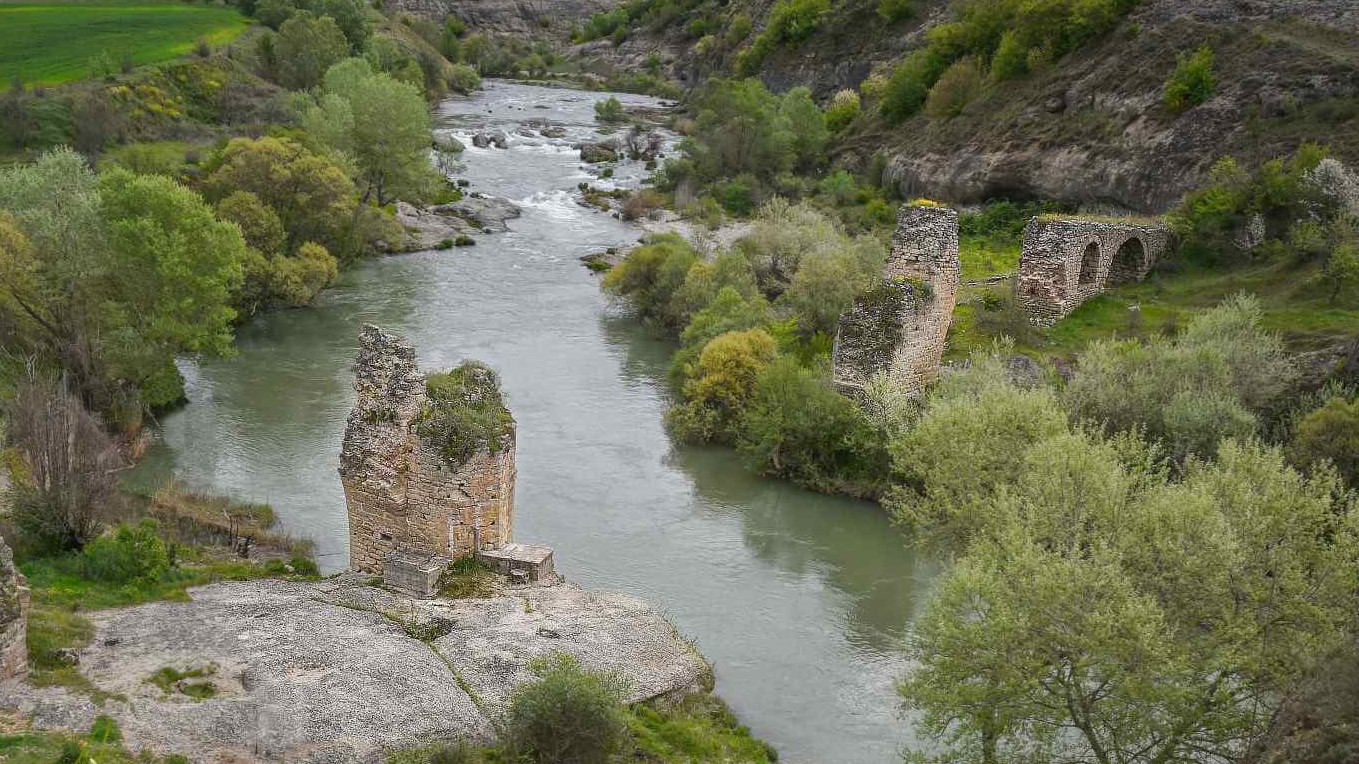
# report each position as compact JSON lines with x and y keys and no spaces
{"x":1329,"y":434}
{"x":1192,"y":82}
{"x":610,"y":111}
{"x":958,"y":86}
{"x":129,"y":553}
{"x":792,"y":21}
{"x":651,"y":275}
{"x":807,"y":125}
{"x":463,"y":79}
{"x":842,"y":110}
{"x":893,"y":11}
{"x":569,"y":716}
{"x":797,"y":426}
{"x":910,"y":84}
{"x":716,"y":394}
{"x":464,"y":412}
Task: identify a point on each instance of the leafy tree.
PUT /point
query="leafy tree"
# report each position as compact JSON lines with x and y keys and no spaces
{"x":1341,"y":271}
{"x":650,"y":277}
{"x":383,"y":124}
{"x":1329,"y":434}
{"x":1192,"y":82}
{"x":827,"y":282}
{"x":311,"y":195}
{"x":259,"y":224}
{"x":957,"y":87}
{"x":350,"y":16}
{"x":808,"y":127}
{"x":716,"y":394}
{"x":306,"y":46}
{"x":739,"y":129}
{"x":569,"y":716}
{"x":1166,"y":631}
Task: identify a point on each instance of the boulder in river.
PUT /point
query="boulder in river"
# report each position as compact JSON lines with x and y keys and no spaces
{"x":447,"y":142}
{"x":428,"y":228}
{"x":496,"y":138}
{"x":602,"y":151}
{"x":329,"y":671}
{"x":484,"y":212}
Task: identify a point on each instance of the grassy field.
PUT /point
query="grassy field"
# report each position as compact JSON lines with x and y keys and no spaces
{"x":54,"y":42}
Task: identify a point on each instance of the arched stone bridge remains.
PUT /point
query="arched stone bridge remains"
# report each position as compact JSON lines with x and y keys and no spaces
{"x":900,"y":324}
{"x":1066,"y":261}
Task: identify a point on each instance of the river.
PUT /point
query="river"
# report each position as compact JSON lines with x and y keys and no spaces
{"x":800,"y":600}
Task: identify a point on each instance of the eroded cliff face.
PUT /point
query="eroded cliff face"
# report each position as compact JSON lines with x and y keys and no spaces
{"x":552,"y":19}
{"x":14,"y":600}
{"x":1091,"y":129}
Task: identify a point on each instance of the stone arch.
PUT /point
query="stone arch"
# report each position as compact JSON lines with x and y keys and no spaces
{"x":1089,"y":265}
{"x":1130,"y":262}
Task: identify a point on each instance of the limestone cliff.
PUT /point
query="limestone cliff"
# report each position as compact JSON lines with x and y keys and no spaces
{"x":1088,"y":129}
{"x":517,"y":18}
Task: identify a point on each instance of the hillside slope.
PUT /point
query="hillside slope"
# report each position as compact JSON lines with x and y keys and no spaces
{"x":1090,"y":128}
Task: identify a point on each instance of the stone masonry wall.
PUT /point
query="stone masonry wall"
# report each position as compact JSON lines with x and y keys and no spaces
{"x":399,"y":489}
{"x":1065,"y":262}
{"x":900,"y":325}
{"x":14,"y":601}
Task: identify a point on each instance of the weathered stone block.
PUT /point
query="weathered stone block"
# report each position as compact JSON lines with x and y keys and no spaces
{"x":1066,"y":261}
{"x":414,"y":572}
{"x":14,"y":602}
{"x":900,"y":325}
{"x":529,"y":563}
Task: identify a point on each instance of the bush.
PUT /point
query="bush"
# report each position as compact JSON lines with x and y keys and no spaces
{"x":792,"y":21}
{"x":797,"y":426}
{"x":128,"y":553}
{"x":569,"y":716}
{"x":910,"y":84}
{"x":651,"y":275}
{"x":720,"y":386}
{"x":1192,"y":82}
{"x":463,"y":79}
{"x":1329,"y":434}
{"x":893,"y":11}
{"x":842,"y":110}
{"x":610,"y":111}
{"x":959,"y":86}
{"x":464,"y":412}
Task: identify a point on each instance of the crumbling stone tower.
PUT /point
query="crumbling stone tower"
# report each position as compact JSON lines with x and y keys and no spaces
{"x":427,"y":463}
{"x":899,"y":326}
{"x":14,"y":600}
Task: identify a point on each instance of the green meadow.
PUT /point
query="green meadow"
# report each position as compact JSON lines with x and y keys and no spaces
{"x":54,"y":42}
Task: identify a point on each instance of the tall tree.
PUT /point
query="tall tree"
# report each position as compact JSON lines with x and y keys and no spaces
{"x":306,"y":46}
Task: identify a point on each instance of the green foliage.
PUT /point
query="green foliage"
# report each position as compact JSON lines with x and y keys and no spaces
{"x":957,"y":87}
{"x":1192,"y":82}
{"x":1015,"y":36}
{"x":808,"y":127}
{"x":1240,"y":215}
{"x":1208,"y":383}
{"x":127,"y":553}
{"x":311,"y":194}
{"x":464,"y":412}
{"x":720,"y":386}
{"x":568,"y":716}
{"x":969,"y":442}
{"x":610,"y":111}
{"x":739,"y":130}
{"x":464,"y":79}
{"x":383,"y":124}
{"x":1161,"y":622}
{"x":796,"y":426}
{"x":306,"y":46}
{"x":172,"y":680}
{"x":842,"y":110}
{"x":698,"y":728}
{"x":650,"y":277}
{"x":893,"y":11}
{"x":1330,"y":434}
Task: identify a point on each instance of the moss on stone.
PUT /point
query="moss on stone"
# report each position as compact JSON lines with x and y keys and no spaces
{"x":465,"y":412}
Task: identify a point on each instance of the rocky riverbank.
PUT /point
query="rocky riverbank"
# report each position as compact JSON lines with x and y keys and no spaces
{"x":341,"y":670}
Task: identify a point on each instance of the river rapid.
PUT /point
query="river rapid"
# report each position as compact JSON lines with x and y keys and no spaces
{"x":800,"y":600}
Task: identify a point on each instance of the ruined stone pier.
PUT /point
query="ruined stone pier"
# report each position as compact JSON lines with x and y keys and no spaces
{"x":14,"y":602}
{"x":1066,"y":261}
{"x":402,"y":490}
{"x":900,"y":325}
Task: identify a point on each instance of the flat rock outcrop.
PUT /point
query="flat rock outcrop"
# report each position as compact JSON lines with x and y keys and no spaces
{"x":325,"y":671}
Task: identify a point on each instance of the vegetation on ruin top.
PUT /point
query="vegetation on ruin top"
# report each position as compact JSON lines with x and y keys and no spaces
{"x":465,"y":412}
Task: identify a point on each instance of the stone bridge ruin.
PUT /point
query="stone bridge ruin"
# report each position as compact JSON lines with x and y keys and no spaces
{"x":1066,"y":261}
{"x":408,"y":502}
{"x":14,"y":603}
{"x":899,"y":326}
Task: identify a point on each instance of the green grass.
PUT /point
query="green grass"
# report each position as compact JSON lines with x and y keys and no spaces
{"x":102,"y":744}
{"x":170,"y":680}
{"x":1295,"y":307}
{"x":984,"y":256}
{"x":54,"y":42}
